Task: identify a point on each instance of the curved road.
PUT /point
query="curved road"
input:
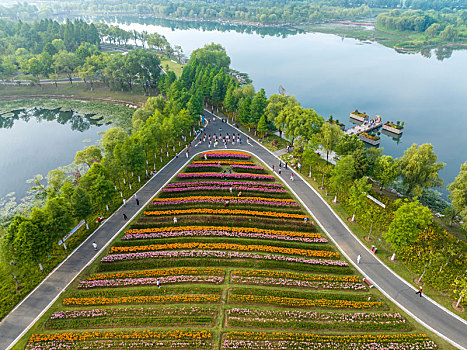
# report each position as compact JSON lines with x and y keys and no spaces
{"x":427,"y":312}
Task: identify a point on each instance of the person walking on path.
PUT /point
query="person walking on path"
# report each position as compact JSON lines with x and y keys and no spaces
{"x":280,"y":164}
{"x":285,"y":166}
{"x":94,"y":245}
{"x":273,"y":168}
{"x":419,"y":292}
{"x":125,"y":217}
{"x":280,"y":171}
{"x":291,"y":177}
{"x":359,"y":257}
{"x":136,"y":199}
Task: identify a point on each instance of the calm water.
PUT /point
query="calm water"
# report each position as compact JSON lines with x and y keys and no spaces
{"x":335,"y":76}
{"x":36,"y":141}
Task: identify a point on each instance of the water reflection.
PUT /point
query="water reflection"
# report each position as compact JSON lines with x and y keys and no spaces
{"x":76,"y":121}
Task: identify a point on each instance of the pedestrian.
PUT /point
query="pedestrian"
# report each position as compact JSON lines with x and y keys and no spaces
{"x":240,"y":193}
{"x":419,"y":291}
{"x":94,"y":245}
{"x":125,"y":217}
{"x":280,"y":171}
{"x":158,"y":284}
{"x":285,"y":166}
{"x":175,"y":220}
{"x":280,"y":164}
{"x":359,"y":257}
{"x":137,"y":201}
{"x":231,"y":189}
{"x":291,"y":177}
{"x":299,"y":167}
{"x":273,"y":168}
{"x":227,"y":203}
{"x":305,"y":219}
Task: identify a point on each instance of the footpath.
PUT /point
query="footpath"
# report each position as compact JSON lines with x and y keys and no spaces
{"x":425,"y":311}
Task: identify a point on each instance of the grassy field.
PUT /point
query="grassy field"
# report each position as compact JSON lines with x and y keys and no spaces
{"x":177,"y":68}
{"x":223,"y":258}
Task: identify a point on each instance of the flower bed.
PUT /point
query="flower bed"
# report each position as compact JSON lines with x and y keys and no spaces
{"x":121,"y":340}
{"x":215,"y":231}
{"x":143,"y":299}
{"x":225,"y":154}
{"x":226,"y":176}
{"x":223,"y":199}
{"x":223,"y":183}
{"x":313,"y":320}
{"x":226,"y":246}
{"x":293,"y":279}
{"x":158,"y":273}
{"x":204,"y":167}
{"x":248,"y":168}
{"x":223,"y":162}
{"x":217,"y":254}
{"x":278,"y":340}
{"x":224,"y":211}
{"x":245,"y":221}
{"x":134,"y":317}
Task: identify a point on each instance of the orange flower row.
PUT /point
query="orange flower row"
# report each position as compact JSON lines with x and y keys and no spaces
{"x":226,"y":212}
{"x":146,"y":334}
{"x":298,"y":302}
{"x":144,"y":299}
{"x":225,"y":228}
{"x":211,"y":271}
{"x":278,"y":200}
{"x":295,"y":275}
{"x":227,"y":246}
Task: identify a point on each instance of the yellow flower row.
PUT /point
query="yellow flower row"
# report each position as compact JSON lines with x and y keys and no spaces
{"x":225,"y":228}
{"x":295,"y":275}
{"x":236,"y":162}
{"x":309,"y":337}
{"x":223,"y":197}
{"x":144,"y":299}
{"x":210,"y":271}
{"x":227,"y":246}
{"x":298,"y":302}
{"x":225,"y":211}
{"x":146,"y":334}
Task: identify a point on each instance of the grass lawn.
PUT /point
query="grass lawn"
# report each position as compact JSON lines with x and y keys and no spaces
{"x":224,"y":283}
{"x":177,"y":68}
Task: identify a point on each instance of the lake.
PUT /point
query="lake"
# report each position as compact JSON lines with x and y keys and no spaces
{"x":336,"y":75}
{"x":35,"y":141}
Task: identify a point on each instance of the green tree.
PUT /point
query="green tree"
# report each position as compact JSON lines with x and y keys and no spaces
{"x":460,"y":289}
{"x":386,"y":171}
{"x":81,"y":204}
{"x":66,"y":62}
{"x":111,"y":138}
{"x":419,"y":169}
{"x":342,"y":174}
{"x":458,"y":194}
{"x":358,"y":193}
{"x":30,"y":243}
{"x":58,"y":219}
{"x":329,"y":137}
{"x":348,"y":144}
{"x":55,"y":180}
{"x":262,"y":127}
{"x":212,"y":54}
{"x":409,"y":219}
{"x":101,"y":191}
{"x":257,"y":107}
{"x":89,"y":155}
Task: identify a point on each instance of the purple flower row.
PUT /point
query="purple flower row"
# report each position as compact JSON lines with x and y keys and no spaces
{"x":226,"y":155}
{"x":203,"y":166}
{"x":252,"y":167}
{"x":235,"y":176}
{"x":136,"y":311}
{"x":168,"y":201}
{"x":122,"y":282}
{"x":217,"y":254}
{"x":203,"y":233}
{"x":242,"y":344}
{"x":296,"y":283}
{"x":225,"y":188}
{"x":225,"y":183}
{"x":296,"y":315}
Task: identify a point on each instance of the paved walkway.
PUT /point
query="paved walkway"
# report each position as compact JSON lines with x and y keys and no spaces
{"x":427,"y":312}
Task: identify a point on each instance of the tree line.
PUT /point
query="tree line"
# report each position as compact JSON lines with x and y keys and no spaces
{"x":446,"y":26}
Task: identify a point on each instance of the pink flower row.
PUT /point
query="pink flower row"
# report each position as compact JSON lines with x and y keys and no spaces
{"x":122,"y":282}
{"x":225,"y":176}
{"x":203,"y":233}
{"x":217,"y":254}
{"x":296,"y":283}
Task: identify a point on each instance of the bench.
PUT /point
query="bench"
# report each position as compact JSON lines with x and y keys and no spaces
{"x":368,"y":282}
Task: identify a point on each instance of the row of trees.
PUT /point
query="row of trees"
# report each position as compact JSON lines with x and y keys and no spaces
{"x":445,"y":26}
{"x":107,"y":169}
